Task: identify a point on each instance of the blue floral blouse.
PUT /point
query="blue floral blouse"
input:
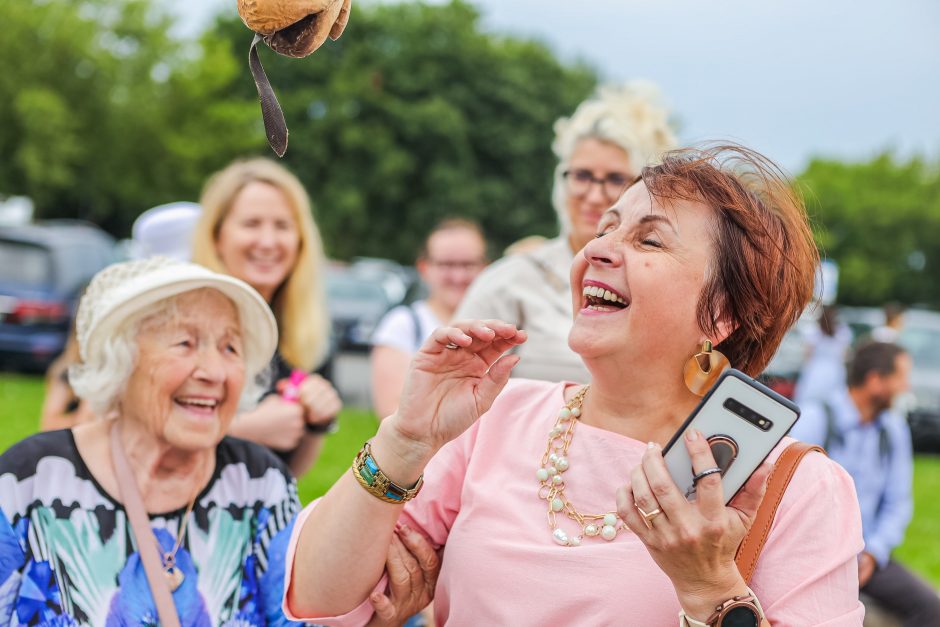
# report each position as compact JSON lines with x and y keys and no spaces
{"x":68,"y":556}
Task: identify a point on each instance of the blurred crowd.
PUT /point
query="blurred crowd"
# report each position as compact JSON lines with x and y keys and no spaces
{"x":225,"y":311}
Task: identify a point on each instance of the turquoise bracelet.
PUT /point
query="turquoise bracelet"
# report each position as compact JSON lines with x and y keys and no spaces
{"x":377,"y":483}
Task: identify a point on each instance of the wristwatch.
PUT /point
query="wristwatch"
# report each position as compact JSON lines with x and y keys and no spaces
{"x":739,"y":611}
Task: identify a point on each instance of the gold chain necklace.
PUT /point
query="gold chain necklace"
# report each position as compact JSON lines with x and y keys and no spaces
{"x":552,"y":483}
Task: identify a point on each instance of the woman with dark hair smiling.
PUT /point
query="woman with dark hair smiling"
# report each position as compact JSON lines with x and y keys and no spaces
{"x":552,"y":499}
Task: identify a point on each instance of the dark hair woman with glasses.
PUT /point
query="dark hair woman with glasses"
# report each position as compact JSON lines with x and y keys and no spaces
{"x":601,"y":149}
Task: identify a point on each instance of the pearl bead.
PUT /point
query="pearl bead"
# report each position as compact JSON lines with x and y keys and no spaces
{"x":557,"y":480}
{"x":560,"y":537}
{"x":561,"y":464}
{"x":555,"y":432}
{"x":608,"y":532}
{"x":576,"y":412}
{"x":552,"y":471}
{"x":564,"y":414}
{"x":541,"y":474}
{"x":553,"y":459}
{"x":610,"y":520}
{"x":575,"y":541}
{"x":557,"y":504}
{"x":591,"y":530}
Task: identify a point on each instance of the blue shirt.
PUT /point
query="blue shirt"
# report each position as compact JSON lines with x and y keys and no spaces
{"x":882,"y":476}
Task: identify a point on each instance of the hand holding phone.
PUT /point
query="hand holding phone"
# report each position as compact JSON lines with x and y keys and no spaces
{"x":743,"y":421}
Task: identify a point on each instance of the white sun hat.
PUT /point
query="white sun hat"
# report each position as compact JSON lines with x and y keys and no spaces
{"x":123,"y":289}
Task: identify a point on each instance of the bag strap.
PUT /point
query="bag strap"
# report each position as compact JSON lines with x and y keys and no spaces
{"x":753,"y":543}
{"x":147,"y":546}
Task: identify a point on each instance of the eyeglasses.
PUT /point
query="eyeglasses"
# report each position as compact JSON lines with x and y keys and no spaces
{"x":581,"y":181}
{"x":466,"y":266}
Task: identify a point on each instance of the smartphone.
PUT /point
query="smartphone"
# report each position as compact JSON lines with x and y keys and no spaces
{"x":743,"y":421}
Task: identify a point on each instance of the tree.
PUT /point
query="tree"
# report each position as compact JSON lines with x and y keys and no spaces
{"x":105,"y":115}
{"x":880,"y":221}
{"x":415,"y":115}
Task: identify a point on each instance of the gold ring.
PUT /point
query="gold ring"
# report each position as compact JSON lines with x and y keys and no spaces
{"x":648,"y":516}
{"x":451,"y":346}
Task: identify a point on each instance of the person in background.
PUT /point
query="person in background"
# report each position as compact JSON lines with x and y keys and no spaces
{"x":856,"y":425}
{"x":454,"y":254}
{"x":601,"y":150}
{"x":256,"y":225}
{"x":61,"y":407}
{"x":894,"y":322}
{"x":827,"y":348}
{"x":165,"y":230}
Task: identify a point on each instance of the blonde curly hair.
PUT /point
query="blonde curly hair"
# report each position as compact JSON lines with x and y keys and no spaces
{"x":631,"y":116}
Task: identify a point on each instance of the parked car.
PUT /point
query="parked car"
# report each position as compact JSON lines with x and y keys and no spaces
{"x":43,"y":269}
{"x":356,"y":302}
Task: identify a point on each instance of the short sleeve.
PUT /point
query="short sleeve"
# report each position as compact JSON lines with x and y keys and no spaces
{"x":396,"y":330}
{"x":809,"y":566}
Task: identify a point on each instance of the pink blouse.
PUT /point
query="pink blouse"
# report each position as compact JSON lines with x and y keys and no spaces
{"x":502,"y":567}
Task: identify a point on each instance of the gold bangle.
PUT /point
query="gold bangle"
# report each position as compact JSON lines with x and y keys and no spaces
{"x":377,"y":483}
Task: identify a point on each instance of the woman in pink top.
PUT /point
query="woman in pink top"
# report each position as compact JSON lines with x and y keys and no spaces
{"x":711,"y":246}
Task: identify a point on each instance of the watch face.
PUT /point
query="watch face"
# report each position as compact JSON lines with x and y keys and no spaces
{"x":740,"y":617}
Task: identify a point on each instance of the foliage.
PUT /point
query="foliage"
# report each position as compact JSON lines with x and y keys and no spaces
{"x":104,"y":114}
{"x":414,"y":115}
{"x":880,"y":221}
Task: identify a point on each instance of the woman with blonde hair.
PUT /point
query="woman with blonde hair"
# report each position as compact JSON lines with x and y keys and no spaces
{"x":601,"y":149}
{"x":257,"y":225}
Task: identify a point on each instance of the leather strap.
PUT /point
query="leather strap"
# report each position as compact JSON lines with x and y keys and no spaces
{"x":753,"y":543}
{"x":147,"y":546}
{"x":275,"y":127}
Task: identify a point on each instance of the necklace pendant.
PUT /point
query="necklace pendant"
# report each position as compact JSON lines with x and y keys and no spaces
{"x":174,"y":577}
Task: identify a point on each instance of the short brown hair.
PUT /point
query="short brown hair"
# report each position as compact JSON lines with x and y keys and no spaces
{"x":878,"y":357}
{"x":765,"y":258}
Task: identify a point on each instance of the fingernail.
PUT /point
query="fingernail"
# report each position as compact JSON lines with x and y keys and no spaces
{"x":405,"y":528}
{"x":692,"y":435}
{"x":651,"y":445}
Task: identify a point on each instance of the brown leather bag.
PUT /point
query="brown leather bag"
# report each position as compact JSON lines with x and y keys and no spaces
{"x":753,"y":543}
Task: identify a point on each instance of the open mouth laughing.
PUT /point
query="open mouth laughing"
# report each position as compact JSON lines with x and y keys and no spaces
{"x":601,"y":297}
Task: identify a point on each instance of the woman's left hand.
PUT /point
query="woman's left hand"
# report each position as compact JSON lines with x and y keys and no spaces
{"x":694,"y":543}
{"x":320,"y":399}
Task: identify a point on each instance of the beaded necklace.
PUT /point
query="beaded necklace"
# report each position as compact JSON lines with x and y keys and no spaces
{"x":552,"y":483}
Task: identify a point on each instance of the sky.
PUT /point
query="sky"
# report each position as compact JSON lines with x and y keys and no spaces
{"x":832,"y":78}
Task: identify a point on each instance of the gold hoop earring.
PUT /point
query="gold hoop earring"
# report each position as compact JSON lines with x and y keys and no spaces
{"x":703,"y":369}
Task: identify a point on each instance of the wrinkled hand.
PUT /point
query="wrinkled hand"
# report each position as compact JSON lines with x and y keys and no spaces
{"x":446,"y":390}
{"x":319,"y":399}
{"x":412,"y":567}
{"x":693,"y":543}
{"x":276,"y":423}
{"x":866,"y":567}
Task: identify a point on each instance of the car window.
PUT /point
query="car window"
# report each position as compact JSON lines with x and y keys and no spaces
{"x":24,"y":264}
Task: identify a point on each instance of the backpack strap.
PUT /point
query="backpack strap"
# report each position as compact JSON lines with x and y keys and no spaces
{"x":753,"y":543}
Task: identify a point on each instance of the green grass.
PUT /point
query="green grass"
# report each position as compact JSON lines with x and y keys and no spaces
{"x":21,"y":398}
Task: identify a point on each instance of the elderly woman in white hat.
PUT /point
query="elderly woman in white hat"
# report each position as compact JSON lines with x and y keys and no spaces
{"x":151,"y":514}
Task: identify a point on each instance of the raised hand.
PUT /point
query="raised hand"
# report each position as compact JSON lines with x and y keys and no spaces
{"x":453,"y":379}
